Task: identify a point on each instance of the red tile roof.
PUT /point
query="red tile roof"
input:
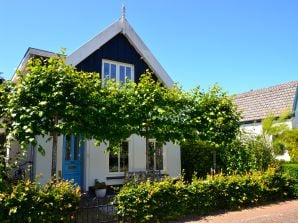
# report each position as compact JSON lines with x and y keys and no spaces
{"x":257,"y":104}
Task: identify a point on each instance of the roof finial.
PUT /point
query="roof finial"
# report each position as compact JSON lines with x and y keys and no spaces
{"x":123,"y":11}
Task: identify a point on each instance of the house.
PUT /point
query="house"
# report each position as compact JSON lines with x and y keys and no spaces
{"x":116,"y":52}
{"x":1,"y":80}
{"x":257,"y":104}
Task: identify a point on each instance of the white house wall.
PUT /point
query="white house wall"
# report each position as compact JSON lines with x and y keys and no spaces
{"x":295,"y":119}
{"x":172,"y":158}
{"x":42,"y":164}
{"x":12,"y":152}
{"x":138,"y":153}
{"x":97,"y":161}
{"x":253,"y":128}
{"x":256,"y":128}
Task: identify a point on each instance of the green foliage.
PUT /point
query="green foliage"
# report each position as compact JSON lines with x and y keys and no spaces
{"x":290,"y":140}
{"x":212,"y":116}
{"x":212,"y":123}
{"x":31,"y":202}
{"x":1,"y":80}
{"x":157,"y":110}
{"x":169,"y":114}
{"x":53,"y":97}
{"x":292,"y":170}
{"x":247,"y":153}
{"x":99,"y":185}
{"x":3,"y":173}
{"x":284,"y":138}
{"x":4,"y":90}
{"x":49,"y":91}
{"x":151,"y":201}
{"x":196,"y":159}
{"x":160,"y":201}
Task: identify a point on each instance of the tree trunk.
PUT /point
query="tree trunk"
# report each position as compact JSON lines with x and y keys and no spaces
{"x":54,"y":150}
{"x":214,"y":161}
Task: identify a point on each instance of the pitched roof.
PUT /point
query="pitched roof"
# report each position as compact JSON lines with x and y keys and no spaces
{"x":256,"y":105}
{"x":121,"y":26}
{"x":31,"y":52}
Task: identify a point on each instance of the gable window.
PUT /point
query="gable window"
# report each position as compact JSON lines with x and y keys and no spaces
{"x":118,"y":162}
{"x":154,"y":155}
{"x":117,"y":71}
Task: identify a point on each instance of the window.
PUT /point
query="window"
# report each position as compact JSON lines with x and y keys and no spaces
{"x":119,"y":162}
{"x":72,"y":147}
{"x":154,"y":155}
{"x":117,"y":71}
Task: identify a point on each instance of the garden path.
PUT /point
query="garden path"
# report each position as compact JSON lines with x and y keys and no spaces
{"x":283,"y":212}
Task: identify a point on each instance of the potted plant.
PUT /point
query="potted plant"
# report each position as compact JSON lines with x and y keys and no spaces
{"x":100,"y":188}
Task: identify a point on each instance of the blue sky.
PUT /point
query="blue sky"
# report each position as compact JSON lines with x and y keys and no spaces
{"x":239,"y":44}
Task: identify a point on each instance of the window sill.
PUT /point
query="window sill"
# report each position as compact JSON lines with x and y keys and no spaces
{"x":115,"y":175}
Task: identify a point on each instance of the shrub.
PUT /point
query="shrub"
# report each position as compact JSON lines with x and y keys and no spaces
{"x":292,"y":170}
{"x":160,"y":201}
{"x":151,"y":201}
{"x":197,"y":159}
{"x":247,"y":153}
{"x":4,"y":186}
{"x":31,"y":202}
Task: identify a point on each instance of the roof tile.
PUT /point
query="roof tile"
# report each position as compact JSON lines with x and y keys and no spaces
{"x":257,"y":104}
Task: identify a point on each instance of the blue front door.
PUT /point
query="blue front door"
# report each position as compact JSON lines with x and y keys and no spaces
{"x":72,"y":159}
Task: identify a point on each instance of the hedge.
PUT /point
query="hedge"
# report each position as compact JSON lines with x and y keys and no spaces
{"x":171,"y":199}
{"x":292,"y":170}
{"x":30,"y":202}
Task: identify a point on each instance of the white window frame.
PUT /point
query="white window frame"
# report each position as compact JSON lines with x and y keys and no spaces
{"x":118,"y":64}
{"x":154,"y":156}
{"x":119,"y":160}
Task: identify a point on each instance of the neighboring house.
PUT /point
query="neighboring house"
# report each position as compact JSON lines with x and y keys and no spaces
{"x":1,"y":80}
{"x":257,"y":104}
{"x":117,"y":52}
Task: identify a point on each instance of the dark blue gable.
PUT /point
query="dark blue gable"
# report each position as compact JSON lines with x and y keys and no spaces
{"x":117,"y":49}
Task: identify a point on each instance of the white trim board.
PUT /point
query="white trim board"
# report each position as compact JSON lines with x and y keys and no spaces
{"x":29,"y":53}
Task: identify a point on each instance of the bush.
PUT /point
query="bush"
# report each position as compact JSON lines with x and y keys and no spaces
{"x":247,"y":153}
{"x":3,"y":172}
{"x":31,"y":202}
{"x":292,"y":170}
{"x":197,"y":159}
{"x":151,"y":201}
{"x":170,"y":199}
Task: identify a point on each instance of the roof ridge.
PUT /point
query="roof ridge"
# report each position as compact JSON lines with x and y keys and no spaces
{"x":255,"y":105}
{"x":267,"y":89}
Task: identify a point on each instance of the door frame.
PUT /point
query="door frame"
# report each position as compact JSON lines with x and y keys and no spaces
{"x":82,"y":156}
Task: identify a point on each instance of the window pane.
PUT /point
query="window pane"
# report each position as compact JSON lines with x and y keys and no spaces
{"x":122,"y":74}
{"x":113,"y":162}
{"x":106,"y":70}
{"x":67,"y":147}
{"x":150,"y":156}
{"x":113,"y":71}
{"x":77,"y":148}
{"x":128,"y":73}
{"x":124,"y":157}
{"x":159,"y":156}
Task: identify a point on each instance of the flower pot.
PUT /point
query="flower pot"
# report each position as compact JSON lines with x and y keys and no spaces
{"x":100,"y":192}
